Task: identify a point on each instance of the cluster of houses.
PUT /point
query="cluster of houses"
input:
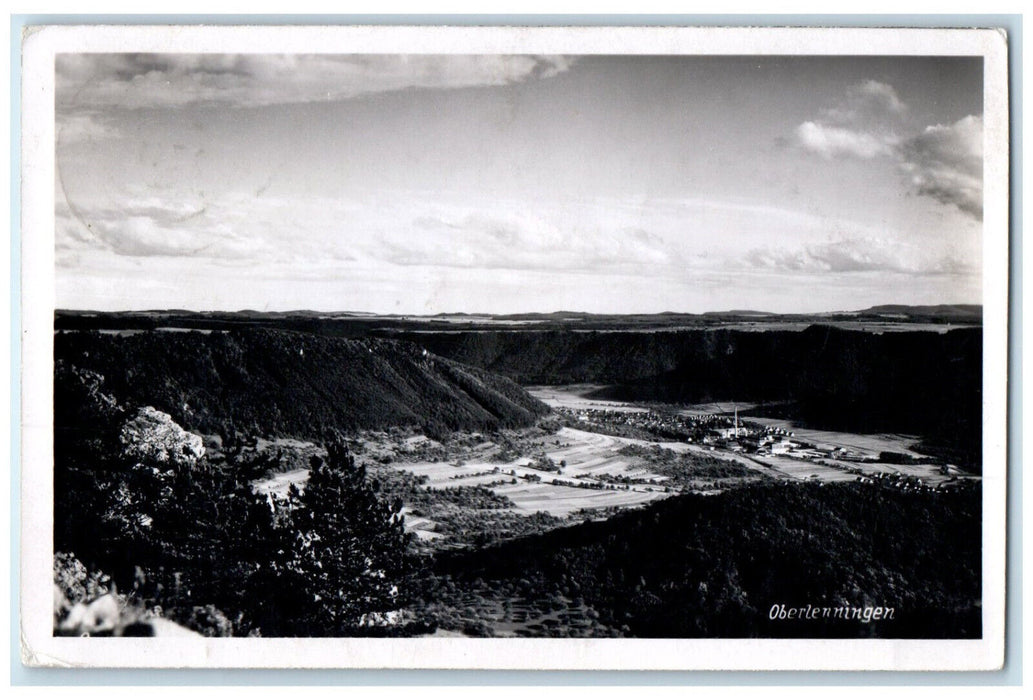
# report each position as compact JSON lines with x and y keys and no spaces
{"x":672,"y":426}
{"x":715,"y":431}
{"x":762,"y":440}
{"x":907,"y":482}
{"x":709,"y":429}
{"x":897,"y":480}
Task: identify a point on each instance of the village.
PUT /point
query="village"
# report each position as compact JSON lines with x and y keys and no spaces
{"x":772,"y":448}
{"x":708,"y":429}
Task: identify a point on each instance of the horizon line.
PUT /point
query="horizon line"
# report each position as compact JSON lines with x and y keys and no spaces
{"x":556,"y":312}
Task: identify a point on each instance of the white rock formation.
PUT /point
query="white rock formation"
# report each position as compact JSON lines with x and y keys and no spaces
{"x":152,"y":435}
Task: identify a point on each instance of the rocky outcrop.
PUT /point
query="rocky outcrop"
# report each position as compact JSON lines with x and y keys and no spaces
{"x":152,"y":436}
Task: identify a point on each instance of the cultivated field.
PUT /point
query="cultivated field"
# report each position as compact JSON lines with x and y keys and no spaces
{"x":865,"y":445}
{"x":561,"y":501}
{"x":588,"y":457}
{"x":573,"y":397}
{"x":592,"y":454}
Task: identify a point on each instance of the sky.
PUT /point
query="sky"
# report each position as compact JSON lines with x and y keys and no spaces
{"x":423,"y":184}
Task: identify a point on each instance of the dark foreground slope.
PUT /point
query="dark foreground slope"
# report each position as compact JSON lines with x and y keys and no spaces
{"x":713,"y":566}
{"x":919,"y":382}
{"x":265,"y":382}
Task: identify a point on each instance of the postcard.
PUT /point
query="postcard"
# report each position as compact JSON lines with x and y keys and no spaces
{"x":625,"y":348}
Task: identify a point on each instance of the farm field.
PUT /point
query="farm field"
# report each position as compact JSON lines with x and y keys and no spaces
{"x":804,"y":469}
{"x":588,"y":456}
{"x":726,"y":407}
{"x":591,"y":454}
{"x":561,"y":501}
{"x":867,"y":445}
{"x":573,"y":397}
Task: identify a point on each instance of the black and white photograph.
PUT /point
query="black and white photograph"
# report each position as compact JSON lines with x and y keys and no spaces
{"x":496,"y":349}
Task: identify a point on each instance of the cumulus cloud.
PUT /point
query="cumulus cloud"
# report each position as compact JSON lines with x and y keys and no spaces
{"x":945,"y":162}
{"x":860,"y":124}
{"x":830,"y":142}
{"x":869,"y":102}
{"x":942,"y":162}
{"x":86,"y":81}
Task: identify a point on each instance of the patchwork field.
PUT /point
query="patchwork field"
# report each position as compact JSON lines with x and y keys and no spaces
{"x":591,"y":454}
{"x":587,"y":456}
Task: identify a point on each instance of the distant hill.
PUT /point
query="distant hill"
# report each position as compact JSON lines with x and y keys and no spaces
{"x":943,"y":313}
{"x":283,"y":383}
{"x":740,"y":312}
{"x":357,"y":324}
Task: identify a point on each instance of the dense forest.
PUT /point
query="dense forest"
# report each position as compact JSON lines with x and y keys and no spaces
{"x":188,"y":540}
{"x":282,"y":383}
{"x":712,"y":566}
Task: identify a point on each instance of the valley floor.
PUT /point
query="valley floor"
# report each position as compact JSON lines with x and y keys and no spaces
{"x":568,"y":474}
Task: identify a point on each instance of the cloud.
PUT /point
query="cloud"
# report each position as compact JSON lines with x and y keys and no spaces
{"x":852,"y":255}
{"x":83,"y":126}
{"x":318,"y":235}
{"x":516,"y":240}
{"x":860,"y":124}
{"x":942,"y":162}
{"x":147,"y":227}
{"x":869,"y":102}
{"x":878,"y":96}
{"x":96,"y":81}
{"x":399,"y":240}
{"x":830,"y":142}
{"x":945,"y":162}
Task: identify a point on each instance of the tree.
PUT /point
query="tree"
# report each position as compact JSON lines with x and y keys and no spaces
{"x":345,"y":557}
